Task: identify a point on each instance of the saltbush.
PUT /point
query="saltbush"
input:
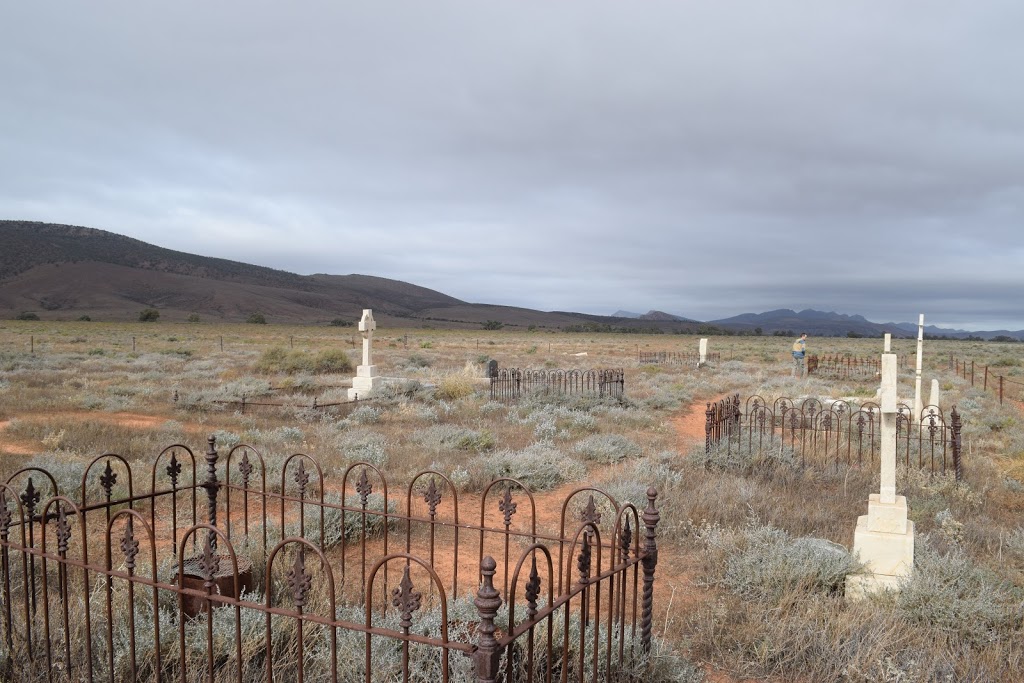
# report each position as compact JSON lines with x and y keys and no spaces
{"x":607,"y":448}
{"x":950,"y":593}
{"x":538,"y":466}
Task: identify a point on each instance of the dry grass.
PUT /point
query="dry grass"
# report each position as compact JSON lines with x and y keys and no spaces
{"x":86,"y":391}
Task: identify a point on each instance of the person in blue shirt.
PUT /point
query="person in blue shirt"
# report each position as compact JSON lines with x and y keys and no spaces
{"x":799,"y":351}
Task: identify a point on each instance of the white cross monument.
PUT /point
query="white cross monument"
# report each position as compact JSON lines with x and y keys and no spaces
{"x":366,"y":373}
{"x":918,"y":406}
{"x":884,"y":538}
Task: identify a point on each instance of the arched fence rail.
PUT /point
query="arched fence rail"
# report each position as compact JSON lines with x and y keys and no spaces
{"x":813,"y":433}
{"x":224,"y":571}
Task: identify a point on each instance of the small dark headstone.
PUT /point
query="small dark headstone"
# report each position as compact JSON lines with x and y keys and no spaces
{"x":492,"y":368}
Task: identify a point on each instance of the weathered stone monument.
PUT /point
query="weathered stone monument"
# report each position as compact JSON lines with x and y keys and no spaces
{"x":933,"y":398}
{"x":884,"y":538}
{"x":703,"y":351}
{"x":366,"y":378}
{"x":918,"y":405}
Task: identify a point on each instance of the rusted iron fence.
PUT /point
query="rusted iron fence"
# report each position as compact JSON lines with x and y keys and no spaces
{"x":291,"y":577}
{"x":675,"y":357}
{"x":513,"y":383}
{"x":991,"y":378}
{"x":847,"y":367}
{"x":813,"y":433}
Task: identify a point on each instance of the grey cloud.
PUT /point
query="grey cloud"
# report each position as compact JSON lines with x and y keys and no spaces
{"x":703,"y":158}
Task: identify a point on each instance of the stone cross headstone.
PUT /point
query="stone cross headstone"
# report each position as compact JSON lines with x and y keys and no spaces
{"x":366,"y":379}
{"x":367,"y":325}
{"x":918,"y":406}
{"x":884,"y":538}
{"x":703,"y":350}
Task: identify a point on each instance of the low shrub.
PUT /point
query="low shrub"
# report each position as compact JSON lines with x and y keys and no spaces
{"x":607,"y":448}
{"x":538,"y":466}
{"x":453,"y":387}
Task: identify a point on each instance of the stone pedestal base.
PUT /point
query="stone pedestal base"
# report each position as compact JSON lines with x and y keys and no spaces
{"x":365,"y":381}
{"x":884,"y":541}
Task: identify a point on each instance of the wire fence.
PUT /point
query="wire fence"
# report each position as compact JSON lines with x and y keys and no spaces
{"x":991,"y":378}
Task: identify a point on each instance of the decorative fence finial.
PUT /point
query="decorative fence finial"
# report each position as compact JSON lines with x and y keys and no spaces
{"x":487,"y":602}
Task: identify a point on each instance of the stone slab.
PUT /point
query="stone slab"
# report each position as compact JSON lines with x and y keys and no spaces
{"x":366,"y":371}
{"x":859,"y":586}
{"x":884,"y":553}
{"x":890,"y":518}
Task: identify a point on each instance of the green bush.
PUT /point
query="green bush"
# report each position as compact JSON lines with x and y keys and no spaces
{"x":192,"y":318}
{"x":256,"y":319}
{"x":341,"y":322}
{"x":332,"y":361}
{"x":27,"y":315}
{"x":277,"y":360}
{"x":149,"y":315}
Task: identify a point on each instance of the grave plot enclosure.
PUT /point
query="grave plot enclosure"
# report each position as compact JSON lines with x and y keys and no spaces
{"x":211,"y":568}
{"x":512,"y":383}
{"x":813,"y":433}
{"x":848,"y":367}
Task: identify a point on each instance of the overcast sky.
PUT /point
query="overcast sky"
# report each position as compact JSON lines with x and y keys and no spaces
{"x":705,"y":158}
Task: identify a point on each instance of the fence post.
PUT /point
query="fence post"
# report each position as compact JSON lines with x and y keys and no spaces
{"x":986,"y":378}
{"x":707,"y":430}
{"x":488,"y":601}
{"x":650,"y":561}
{"x":1000,"y":390}
{"x":211,"y":486}
{"x":956,"y":443}
{"x":972,"y":373}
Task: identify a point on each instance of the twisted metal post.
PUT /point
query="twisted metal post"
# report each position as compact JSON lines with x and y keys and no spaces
{"x":651,"y":518}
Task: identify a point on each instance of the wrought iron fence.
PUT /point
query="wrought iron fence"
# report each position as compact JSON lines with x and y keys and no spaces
{"x":837,"y":433}
{"x":291,"y":578}
{"x":676,"y":357}
{"x":513,"y":383}
{"x":847,"y":367}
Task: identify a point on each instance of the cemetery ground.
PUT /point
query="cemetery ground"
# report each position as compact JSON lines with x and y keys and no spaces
{"x":743,"y":589}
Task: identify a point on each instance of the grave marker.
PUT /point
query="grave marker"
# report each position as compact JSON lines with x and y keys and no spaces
{"x":884,"y":538}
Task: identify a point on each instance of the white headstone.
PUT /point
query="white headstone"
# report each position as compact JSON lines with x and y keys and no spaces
{"x":884,"y":538}
{"x":888,"y":442}
{"x":367,"y":325}
{"x":703,"y":350}
{"x":888,"y":343}
{"x":933,"y":399}
{"x":918,"y":406}
{"x":366,"y":379}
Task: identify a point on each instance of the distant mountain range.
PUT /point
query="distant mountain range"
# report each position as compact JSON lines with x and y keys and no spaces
{"x":64,"y":272}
